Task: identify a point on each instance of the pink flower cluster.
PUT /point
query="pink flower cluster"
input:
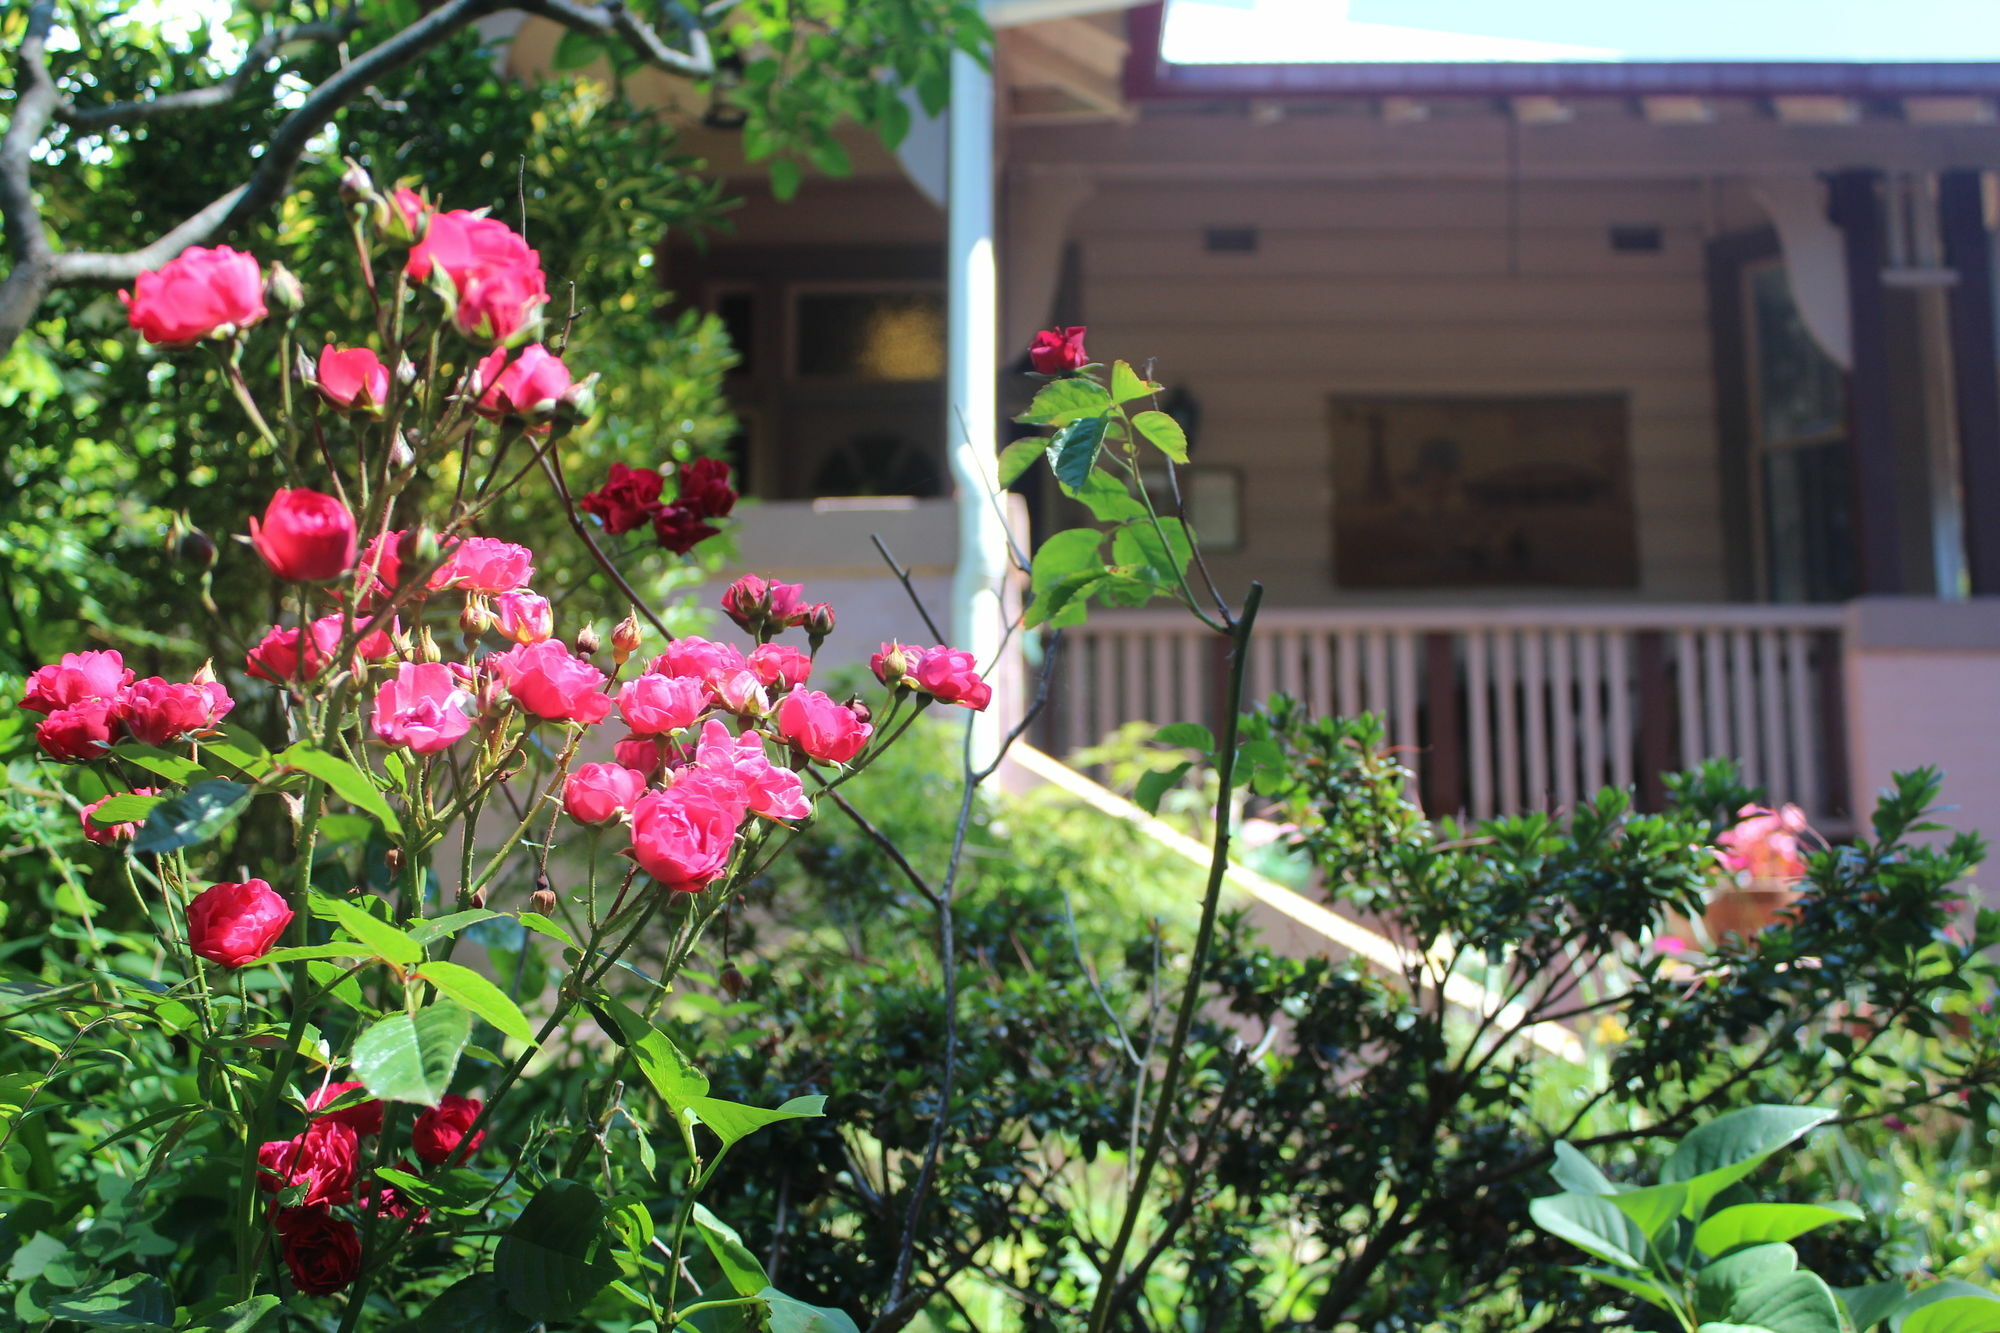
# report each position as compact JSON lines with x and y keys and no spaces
{"x":630,"y":499}
{"x":948,"y":675}
{"x":1766,"y":844}
{"x":495,"y":276}
{"x":92,"y":702}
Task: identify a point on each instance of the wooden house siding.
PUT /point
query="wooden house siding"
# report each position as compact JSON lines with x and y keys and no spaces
{"x":1414,"y":288}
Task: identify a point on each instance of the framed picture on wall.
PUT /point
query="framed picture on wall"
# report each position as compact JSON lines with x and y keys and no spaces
{"x":1214,"y":499}
{"x":1471,"y":492}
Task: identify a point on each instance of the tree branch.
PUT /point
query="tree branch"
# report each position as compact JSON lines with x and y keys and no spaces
{"x":614,"y":19}
{"x":29,"y":279}
{"x":220,"y":93}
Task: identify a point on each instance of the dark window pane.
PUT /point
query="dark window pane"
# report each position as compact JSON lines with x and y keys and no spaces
{"x":1800,"y":391}
{"x":1809,"y":529}
{"x":871,"y":335}
{"x":738,"y":313}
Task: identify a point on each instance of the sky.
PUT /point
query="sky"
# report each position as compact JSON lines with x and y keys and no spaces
{"x":1236,"y":31}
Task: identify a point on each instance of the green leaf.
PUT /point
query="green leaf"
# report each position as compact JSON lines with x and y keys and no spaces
{"x":476,"y":1304}
{"x":785,"y":177}
{"x":1126,"y":384}
{"x":137,"y":1300}
{"x":1073,"y":449}
{"x":1165,"y":550}
{"x":734,"y":1122}
{"x":795,"y":1316}
{"x":1157,"y":783}
{"x":1594,"y":1225}
{"x":1651,"y":1208}
{"x":481,"y":996}
{"x":1194,"y":736}
{"x":1071,"y":557}
{"x":125,"y":809}
{"x":1718,"y":1284}
{"x":443,"y":927}
{"x":1065,"y":400}
{"x":1108,"y":498}
{"x":1065,"y":602}
{"x":1761,"y":1223}
{"x":575,"y":50}
{"x":738,"y":1265}
{"x":1018,"y":457}
{"x":309,"y":951}
{"x":242,"y":1317}
{"x":1870,"y":1305}
{"x":348,"y":782}
{"x":173,"y":767}
{"x":384,"y":939}
{"x":1726,"y":1149}
{"x":892,"y":122}
{"x":557,"y":1254}
{"x":405,"y":1059}
{"x":193,"y":817}
{"x":1572,"y":1170}
{"x":1794,"y":1303}
{"x":541,"y":925}
{"x":1163,"y":433}
{"x":1951,"y":1307}
{"x":1644,"y":1288}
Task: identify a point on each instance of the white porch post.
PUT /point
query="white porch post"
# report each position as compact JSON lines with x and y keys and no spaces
{"x":971,"y":393}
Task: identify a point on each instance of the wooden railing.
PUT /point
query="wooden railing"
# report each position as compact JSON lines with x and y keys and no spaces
{"x":1502,"y":710}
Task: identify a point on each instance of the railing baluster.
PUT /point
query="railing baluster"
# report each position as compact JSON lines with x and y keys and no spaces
{"x":1405,"y":705}
{"x":1349,"y":662}
{"x":1194,"y":690}
{"x":1743,"y":692}
{"x":1478,"y":686}
{"x":1535,"y":726}
{"x":1798,"y":691}
{"x":1590,"y":686}
{"x":1562,"y":643}
{"x":1715,"y":670}
{"x":1778,"y":774}
{"x":1160,"y":689}
{"x":1621,"y":688}
{"x":1320,"y":690}
{"x":1687,"y":661}
{"x":1509,"y":735}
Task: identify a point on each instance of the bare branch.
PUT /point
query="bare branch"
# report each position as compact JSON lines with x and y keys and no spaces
{"x":614,"y":19}
{"x":29,"y":279}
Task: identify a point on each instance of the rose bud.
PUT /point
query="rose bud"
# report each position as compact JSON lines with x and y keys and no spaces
{"x":626,"y":637}
{"x":106,"y":834}
{"x":352,"y":379}
{"x":236,"y":924}
{"x":322,"y":1251}
{"x":440,"y":1130}
{"x":283,"y":289}
{"x":817,"y":620}
{"x":524,"y":617}
{"x":355,"y":182}
{"x":599,"y":793}
{"x":1058,"y":351}
{"x":542,"y":901}
{"x":305,"y":536}
{"x":404,"y":215}
{"x":578,"y":401}
{"x":892,"y":664}
{"x":732,"y":981}
{"x":402,"y":453}
{"x":202,"y":293}
{"x":196,"y":548}
{"x":475,"y":617}
{"x":587,"y":641}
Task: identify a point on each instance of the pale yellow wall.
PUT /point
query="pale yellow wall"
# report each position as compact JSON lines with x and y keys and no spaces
{"x":1406,"y":287}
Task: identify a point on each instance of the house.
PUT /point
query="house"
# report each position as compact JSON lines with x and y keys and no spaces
{"x":1585,"y":415}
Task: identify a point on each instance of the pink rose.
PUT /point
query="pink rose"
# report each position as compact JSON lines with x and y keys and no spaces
{"x":648,"y":755}
{"x":196,"y":295}
{"x":743,"y":694}
{"x":598,"y":793}
{"x":705,"y":490}
{"x":756,"y":604}
{"x":654,"y":704}
{"x":704,"y":659}
{"x":820,"y":727}
{"x":684,"y":836}
{"x":680,"y":529}
{"x":353,"y":379}
{"x":425,"y":708}
{"x":628,"y":499}
{"x":948,"y":675}
{"x":77,"y":678}
{"x":80,"y":731}
{"x":495,"y":304}
{"x":408,"y":215}
{"x":276,"y":656}
{"x":779,"y":665}
{"x":498,"y":278}
{"x":1058,"y":351}
{"x":159,"y":712}
{"x":236,"y":924}
{"x":381,"y":566}
{"x":550,"y":683}
{"x":768,"y":789}
{"x":364,"y":1118}
{"x":521,"y":383}
{"x":440,"y":1130}
{"x":485,"y":564}
{"x":106,"y":834}
{"x":524,"y":617}
{"x":322,"y":1159}
{"x":305,"y":537}
{"x":1766,"y":843}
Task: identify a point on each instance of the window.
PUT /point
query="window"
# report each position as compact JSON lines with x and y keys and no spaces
{"x":872,"y":336}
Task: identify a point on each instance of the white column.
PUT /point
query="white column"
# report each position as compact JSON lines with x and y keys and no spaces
{"x":971,"y":393}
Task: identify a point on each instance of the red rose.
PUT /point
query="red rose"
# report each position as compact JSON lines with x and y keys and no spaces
{"x":485,"y":564}
{"x":81,"y":731}
{"x":653,"y":704}
{"x":440,"y":1130}
{"x":705,"y":490}
{"x":353,"y":379}
{"x":680,"y":529}
{"x":598,"y":793}
{"x":322,"y":1159}
{"x":823,"y":729}
{"x":197,"y":295}
{"x":78,"y":678}
{"x":949,"y":676}
{"x":683,"y":836}
{"x":236,"y":924}
{"x":780,"y":665}
{"x":159,"y":712}
{"x":106,"y":834}
{"x":520,"y":383}
{"x":1058,"y":351}
{"x":364,"y":1118}
{"x":550,"y":683}
{"x":425,"y":707}
{"x":323,"y":1251}
{"x":388,"y":1201}
{"x":628,"y":498}
{"x":305,"y":536}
